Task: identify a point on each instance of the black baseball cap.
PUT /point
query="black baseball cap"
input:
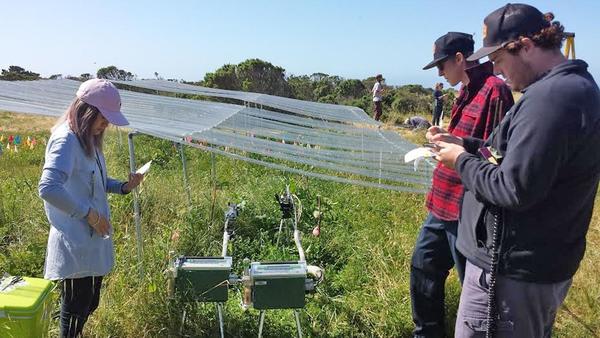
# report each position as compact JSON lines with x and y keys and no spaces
{"x":507,"y":24}
{"x":449,"y":44}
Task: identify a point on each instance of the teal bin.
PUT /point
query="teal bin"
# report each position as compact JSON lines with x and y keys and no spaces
{"x":278,"y":285}
{"x":203,"y":279}
{"x":25,"y":307}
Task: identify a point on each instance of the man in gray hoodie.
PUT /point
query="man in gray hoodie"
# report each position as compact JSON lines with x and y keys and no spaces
{"x":530,"y":187}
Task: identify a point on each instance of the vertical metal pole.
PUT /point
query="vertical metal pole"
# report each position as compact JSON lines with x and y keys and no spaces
{"x":182,"y":322}
{"x":297,"y":315}
{"x":213,"y":172}
{"x":260,"y":323}
{"x":362,"y":144}
{"x":136,"y":205}
{"x":186,"y":185}
{"x":120,"y":137}
{"x":380,"y":159}
{"x":220,"y":313}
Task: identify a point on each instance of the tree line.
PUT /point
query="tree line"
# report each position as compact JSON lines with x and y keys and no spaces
{"x":255,"y":75}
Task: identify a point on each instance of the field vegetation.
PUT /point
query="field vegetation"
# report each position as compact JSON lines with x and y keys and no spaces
{"x":365,"y":245}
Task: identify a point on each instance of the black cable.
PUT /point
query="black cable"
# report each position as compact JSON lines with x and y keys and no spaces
{"x":491,"y":314}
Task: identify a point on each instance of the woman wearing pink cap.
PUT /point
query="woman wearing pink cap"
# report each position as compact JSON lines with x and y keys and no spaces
{"x":74,"y":186}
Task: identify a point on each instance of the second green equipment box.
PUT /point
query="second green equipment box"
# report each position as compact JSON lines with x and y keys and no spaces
{"x":278,"y":285}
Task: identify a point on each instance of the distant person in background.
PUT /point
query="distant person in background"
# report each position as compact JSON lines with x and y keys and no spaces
{"x":377,"y":92}
{"x":74,"y":186}
{"x":417,"y":122}
{"x":482,"y":101}
{"x":438,"y":104}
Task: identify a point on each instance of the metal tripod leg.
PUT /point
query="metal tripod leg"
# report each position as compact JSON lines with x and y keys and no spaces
{"x":220,"y":314}
{"x":260,"y":323}
{"x":182,"y":322}
{"x":279,"y":233}
{"x":297,"y":315}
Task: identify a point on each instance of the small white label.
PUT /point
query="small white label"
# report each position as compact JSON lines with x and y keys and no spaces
{"x":260,"y":282}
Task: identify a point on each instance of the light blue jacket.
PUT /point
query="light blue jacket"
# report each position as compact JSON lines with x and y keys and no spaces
{"x":71,"y":184}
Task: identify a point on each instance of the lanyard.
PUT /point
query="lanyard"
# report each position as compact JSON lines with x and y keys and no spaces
{"x":100,"y":167}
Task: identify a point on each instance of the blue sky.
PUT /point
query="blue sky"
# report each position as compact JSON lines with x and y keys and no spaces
{"x":186,"y":39}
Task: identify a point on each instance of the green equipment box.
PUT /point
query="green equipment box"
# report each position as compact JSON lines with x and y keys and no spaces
{"x":278,"y":285}
{"x":203,"y":279}
{"x":25,"y":307}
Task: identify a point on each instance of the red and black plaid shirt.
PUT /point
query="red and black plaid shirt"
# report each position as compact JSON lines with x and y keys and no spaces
{"x":475,"y":113}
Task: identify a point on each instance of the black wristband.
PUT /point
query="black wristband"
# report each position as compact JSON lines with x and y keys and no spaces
{"x":123,"y":191}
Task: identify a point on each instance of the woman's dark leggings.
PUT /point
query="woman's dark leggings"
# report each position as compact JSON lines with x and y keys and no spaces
{"x":79,"y":298}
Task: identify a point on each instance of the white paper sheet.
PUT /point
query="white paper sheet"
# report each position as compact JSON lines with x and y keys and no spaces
{"x":143,"y":169}
{"x":418,"y":153}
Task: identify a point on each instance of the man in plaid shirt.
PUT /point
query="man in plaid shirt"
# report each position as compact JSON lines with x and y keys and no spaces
{"x":482,"y":102}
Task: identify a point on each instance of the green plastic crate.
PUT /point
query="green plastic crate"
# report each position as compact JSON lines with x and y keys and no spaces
{"x":278,"y":285}
{"x":25,"y":308}
{"x":203,"y":279}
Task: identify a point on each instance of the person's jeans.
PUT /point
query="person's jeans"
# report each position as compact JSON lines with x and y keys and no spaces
{"x":433,"y":256}
{"x":79,"y":299}
{"x":525,"y":309}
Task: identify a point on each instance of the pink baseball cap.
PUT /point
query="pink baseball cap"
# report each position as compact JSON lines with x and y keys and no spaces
{"x":103,"y":95}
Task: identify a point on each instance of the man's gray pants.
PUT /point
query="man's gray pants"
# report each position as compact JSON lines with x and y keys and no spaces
{"x":525,"y":309}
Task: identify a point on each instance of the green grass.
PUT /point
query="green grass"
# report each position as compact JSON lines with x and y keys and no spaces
{"x":365,"y":246}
